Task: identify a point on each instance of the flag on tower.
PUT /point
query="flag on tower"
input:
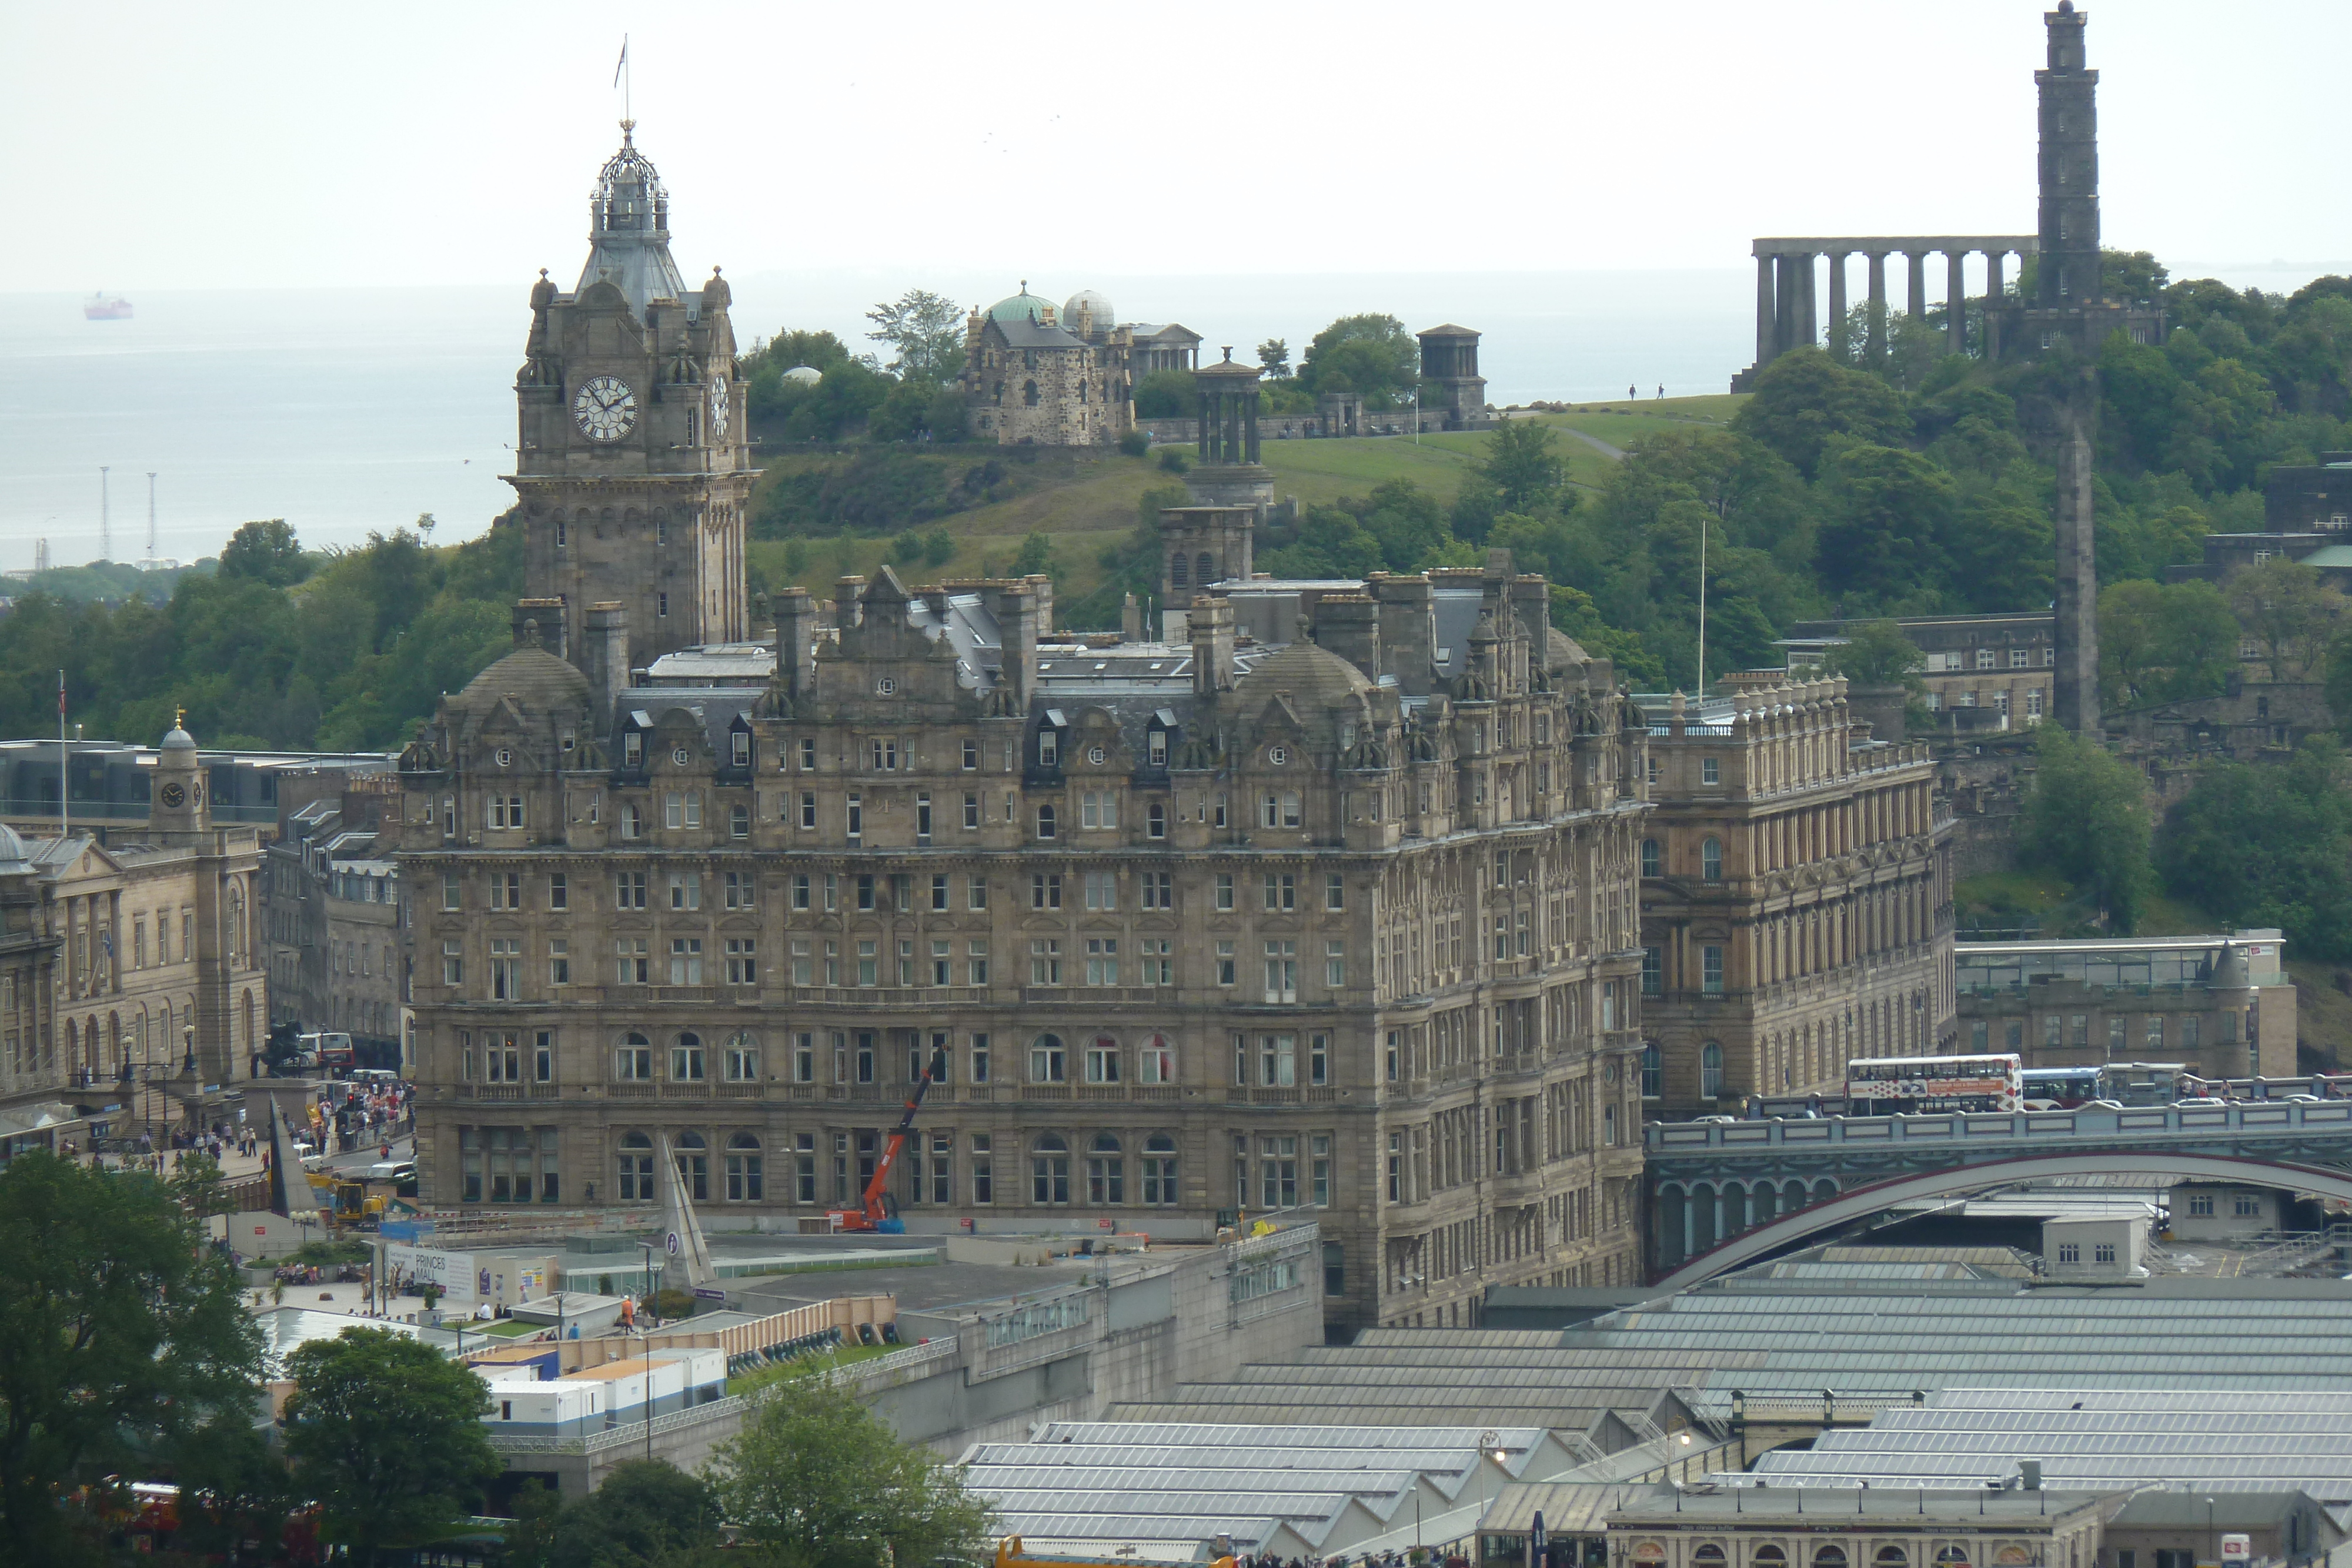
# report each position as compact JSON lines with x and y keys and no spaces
{"x":623,"y":61}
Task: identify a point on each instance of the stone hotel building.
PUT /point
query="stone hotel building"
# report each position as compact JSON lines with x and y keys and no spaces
{"x":1340,"y":921}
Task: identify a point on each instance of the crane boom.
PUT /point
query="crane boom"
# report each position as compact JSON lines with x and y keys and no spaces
{"x":874,"y":1212}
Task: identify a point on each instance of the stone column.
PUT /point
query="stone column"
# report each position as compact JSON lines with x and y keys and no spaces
{"x":1837,"y":290}
{"x":1918,"y":260}
{"x":2076,"y":684}
{"x":1878,"y":345}
{"x":1993,"y":285}
{"x":1955,"y":301}
{"x":1807,"y":300}
{"x":1768,"y":326}
{"x":1784,"y":304}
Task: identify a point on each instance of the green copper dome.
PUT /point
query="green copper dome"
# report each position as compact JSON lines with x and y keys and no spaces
{"x":1024,"y":307}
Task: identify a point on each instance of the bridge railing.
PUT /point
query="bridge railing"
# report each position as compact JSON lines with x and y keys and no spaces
{"x":2133,"y":1123}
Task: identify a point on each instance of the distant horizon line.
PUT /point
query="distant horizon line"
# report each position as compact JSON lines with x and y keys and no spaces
{"x":2179,"y":271}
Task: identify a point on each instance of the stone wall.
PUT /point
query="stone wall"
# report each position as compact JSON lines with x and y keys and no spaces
{"x":1133,"y":1333}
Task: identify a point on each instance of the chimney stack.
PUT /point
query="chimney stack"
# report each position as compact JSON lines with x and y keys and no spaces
{"x":607,"y":663}
{"x":795,"y":641}
{"x":1211,"y":628}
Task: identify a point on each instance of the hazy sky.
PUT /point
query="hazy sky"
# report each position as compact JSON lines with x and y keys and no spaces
{"x":199,"y":146}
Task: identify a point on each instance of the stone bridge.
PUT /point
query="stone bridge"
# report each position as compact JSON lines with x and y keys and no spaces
{"x":1724,"y":1194}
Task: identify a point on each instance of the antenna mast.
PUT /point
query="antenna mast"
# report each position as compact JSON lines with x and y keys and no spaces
{"x":151,"y":517}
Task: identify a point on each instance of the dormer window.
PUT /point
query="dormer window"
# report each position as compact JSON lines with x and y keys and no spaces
{"x":1155,"y":748}
{"x":1049,"y":749}
{"x":633,"y":749}
{"x":739,"y":748}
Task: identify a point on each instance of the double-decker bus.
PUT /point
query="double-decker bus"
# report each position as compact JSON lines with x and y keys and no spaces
{"x":1904,"y":1085}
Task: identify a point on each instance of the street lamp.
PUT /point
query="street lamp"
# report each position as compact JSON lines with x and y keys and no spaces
{"x":653,"y":1288}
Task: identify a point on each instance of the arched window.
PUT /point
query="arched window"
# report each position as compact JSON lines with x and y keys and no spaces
{"x":1179,"y":570}
{"x":1049,"y":1170}
{"x":1710,"y":860}
{"x":1952,"y":1556}
{"x":1204,"y":571}
{"x":1653,"y":862}
{"x":1106,"y":1171}
{"x":1159,"y":1169}
{"x":1045,"y":821}
{"x":1891,"y":1557}
{"x":686,"y":1064}
{"x":1155,"y":1060}
{"x":746,"y":1180}
{"x":1654,"y":1071}
{"x":1766,"y":1554}
{"x":634,"y":1063}
{"x":1710,"y":1070}
{"x":1102,"y":1060}
{"x":693,"y":1165}
{"x":1707,"y":1553}
{"x":637,"y":1168}
{"x":1649,"y":1552}
{"x":1829,"y":1557}
{"x":1048,"y":1063}
{"x":1029,"y":393}
{"x":633,"y":821}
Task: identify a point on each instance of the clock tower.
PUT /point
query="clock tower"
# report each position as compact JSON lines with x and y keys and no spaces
{"x":631,"y":467}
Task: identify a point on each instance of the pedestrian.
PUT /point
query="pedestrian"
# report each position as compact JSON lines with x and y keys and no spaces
{"x":1633,"y":393}
{"x":1662,"y":388}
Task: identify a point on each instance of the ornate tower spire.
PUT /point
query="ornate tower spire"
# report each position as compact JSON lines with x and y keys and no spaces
{"x":629,"y":230}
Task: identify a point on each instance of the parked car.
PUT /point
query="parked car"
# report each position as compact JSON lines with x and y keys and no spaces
{"x":2197,"y":1102}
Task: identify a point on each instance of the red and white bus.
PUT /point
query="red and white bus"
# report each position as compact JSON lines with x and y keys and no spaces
{"x":1906,"y":1085}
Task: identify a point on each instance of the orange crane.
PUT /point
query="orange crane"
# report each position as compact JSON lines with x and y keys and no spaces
{"x":880,"y":1212}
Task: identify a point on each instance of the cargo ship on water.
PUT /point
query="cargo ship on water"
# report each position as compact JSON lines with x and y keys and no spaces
{"x":107,"y":307}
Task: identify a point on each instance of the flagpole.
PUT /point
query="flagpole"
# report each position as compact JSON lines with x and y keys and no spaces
{"x":64,"y":777}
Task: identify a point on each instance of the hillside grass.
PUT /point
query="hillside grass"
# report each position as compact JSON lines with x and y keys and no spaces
{"x":1085,"y":505}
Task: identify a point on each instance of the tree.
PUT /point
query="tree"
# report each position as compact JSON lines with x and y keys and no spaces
{"x":2087,"y":819}
{"x":926,"y":329}
{"x":1886,"y":515}
{"x":386,"y":1432}
{"x":2164,"y":642}
{"x":1036,"y":555}
{"x":1523,"y":466}
{"x":2289,"y":610}
{"x":1371,"y":355}
{"x":1804,"y":398}
{"x":1877,"y":654}
{"x":647,"y":1513}
{"x":120,"y":1331}
{"x":1274,"y":354}
{"x":818,"y":1480}
{"x":265,"y":552}
{"x":2268,"y":846}
{"x":1166,"y":394}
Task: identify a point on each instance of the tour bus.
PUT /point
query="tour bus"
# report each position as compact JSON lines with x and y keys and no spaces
{"x":1905,"y":1085}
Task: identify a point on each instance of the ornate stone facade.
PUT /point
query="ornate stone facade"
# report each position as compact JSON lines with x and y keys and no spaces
{"x":130,"y":974}
{"x":1200,"y":930}
{"x":633,"y":467}
{"x":1036,"y":376}
{"x":1796,"y":898}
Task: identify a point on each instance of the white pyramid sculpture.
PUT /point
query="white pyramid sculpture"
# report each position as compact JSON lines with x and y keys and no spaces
{"x":681,"y":1233}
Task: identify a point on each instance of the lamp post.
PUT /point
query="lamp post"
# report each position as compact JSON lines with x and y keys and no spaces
{"x":2210,"y":1531}
{"x":653,"y":1288}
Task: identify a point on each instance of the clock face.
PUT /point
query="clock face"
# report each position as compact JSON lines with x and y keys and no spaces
{"x":719,"y":407}
{"x":605,"y":410}
{"x":174,"y":797}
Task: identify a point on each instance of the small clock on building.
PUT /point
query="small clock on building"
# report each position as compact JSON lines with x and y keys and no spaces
{"x":173,"y":796}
